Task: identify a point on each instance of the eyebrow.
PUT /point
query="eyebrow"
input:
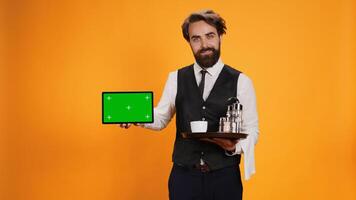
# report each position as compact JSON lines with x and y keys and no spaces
{"x":195,"y":36}
{"x":198,"y":36}
{"x":210,"y":33}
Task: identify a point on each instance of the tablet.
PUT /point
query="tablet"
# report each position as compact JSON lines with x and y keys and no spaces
{"x":127,"y":107}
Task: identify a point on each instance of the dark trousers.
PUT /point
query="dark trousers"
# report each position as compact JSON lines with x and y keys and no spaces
{"x":191,"y":184}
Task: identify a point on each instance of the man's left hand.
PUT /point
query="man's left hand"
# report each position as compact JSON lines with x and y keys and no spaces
{"x":226,"y":144}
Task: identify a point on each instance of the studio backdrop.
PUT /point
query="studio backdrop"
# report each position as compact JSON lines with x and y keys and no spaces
{"x":57,"y":57}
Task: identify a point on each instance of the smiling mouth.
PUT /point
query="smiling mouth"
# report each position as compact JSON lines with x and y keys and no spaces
{"x":206,"y":52}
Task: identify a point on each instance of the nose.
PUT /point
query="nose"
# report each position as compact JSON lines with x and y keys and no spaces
{"x":204,"y":43}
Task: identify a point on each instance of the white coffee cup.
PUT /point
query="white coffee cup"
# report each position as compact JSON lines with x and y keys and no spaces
{"x":199,"y":126}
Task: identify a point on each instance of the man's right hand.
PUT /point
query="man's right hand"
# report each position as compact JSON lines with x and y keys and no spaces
{"x":126,"y":125}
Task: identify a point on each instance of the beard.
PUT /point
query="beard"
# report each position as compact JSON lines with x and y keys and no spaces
{"x":208,"y":60}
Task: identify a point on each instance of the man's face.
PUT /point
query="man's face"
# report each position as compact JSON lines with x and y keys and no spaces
{"x":205,"y":43}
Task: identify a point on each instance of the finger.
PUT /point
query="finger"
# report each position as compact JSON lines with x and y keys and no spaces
{"x":221,"y":140}
{"x":226,"y":144}
{"x":208,"y":140}
{"x":124,"y":125}
{"x":226,"y":141}
{"x":127,"y":125}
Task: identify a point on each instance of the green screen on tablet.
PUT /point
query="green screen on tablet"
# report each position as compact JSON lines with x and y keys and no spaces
{"x":127,"y":107}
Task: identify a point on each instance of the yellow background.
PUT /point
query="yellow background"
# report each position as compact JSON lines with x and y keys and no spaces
{"x":58,"y":56}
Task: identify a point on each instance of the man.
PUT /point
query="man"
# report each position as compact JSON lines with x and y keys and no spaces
{"x":209,"y":168}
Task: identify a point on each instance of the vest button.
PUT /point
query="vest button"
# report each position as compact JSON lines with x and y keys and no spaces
{"x":203,"y":119}
{"x":204,"y":107}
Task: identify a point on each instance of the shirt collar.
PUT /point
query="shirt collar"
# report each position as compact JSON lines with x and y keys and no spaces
{"x":212,"y":71}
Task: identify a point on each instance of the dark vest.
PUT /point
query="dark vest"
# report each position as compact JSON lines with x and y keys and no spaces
{"x":190,"y":106}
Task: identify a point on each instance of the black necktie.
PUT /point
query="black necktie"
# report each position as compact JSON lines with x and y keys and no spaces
{"x":202,"y":82}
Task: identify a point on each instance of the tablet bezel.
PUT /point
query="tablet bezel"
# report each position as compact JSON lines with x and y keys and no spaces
{"x":125,"y":92}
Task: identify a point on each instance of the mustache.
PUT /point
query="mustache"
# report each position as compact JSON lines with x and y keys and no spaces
{"x":206,"y":49}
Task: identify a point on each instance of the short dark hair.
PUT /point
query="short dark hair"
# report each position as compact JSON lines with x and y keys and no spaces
{"x":209,"y":16}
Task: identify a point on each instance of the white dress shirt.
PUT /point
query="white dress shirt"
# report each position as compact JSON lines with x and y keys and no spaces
{"x":165,"y":110}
